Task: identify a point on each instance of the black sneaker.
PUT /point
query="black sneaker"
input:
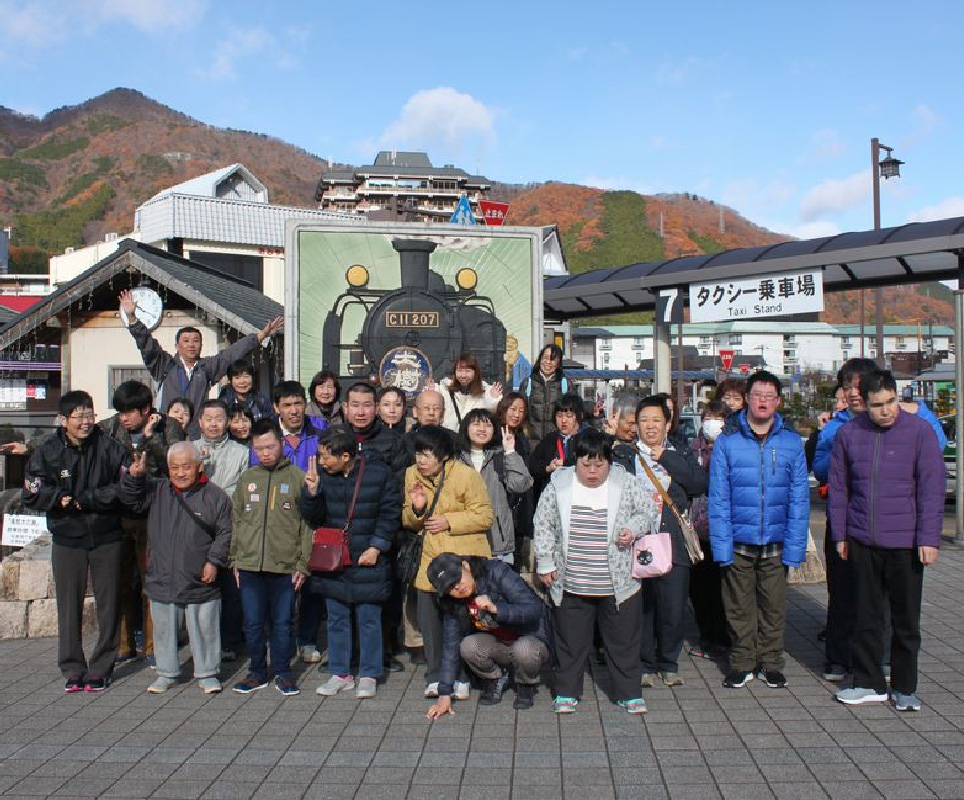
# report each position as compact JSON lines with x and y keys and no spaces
{"x":737,"y":679}
{"x":492,"y":689}
{"x":74,"y":685}
{"x":773,"y":678}
{"x":392,"y":664}
{"x":95,"y":685}
{"x":525,"y":696}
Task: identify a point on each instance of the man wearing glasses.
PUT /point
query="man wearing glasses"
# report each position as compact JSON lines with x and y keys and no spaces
{"x":73,"y":477}
{"x":759,"y":510}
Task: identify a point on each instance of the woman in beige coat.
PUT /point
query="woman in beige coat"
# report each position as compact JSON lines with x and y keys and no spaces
{"x":446,"y":502}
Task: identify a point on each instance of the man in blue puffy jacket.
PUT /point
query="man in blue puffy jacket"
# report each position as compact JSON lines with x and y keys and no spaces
{"x":759,"y":511}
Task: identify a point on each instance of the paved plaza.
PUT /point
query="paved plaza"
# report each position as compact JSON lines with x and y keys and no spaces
{"x":697,"y":742}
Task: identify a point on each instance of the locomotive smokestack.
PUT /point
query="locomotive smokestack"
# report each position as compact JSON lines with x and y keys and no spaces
{"x":413,"y":254}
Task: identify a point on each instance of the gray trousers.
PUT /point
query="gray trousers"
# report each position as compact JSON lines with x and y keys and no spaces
{"x":71,"y":566}
{"x":755,"y":600}
{"x":429,"y":617}
{"x":203,"y":621}
{"x":485,"y":654}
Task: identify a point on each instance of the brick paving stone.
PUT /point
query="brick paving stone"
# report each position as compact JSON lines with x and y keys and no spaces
{"x":852,"y":790}
{"x":797,"y":791}
{"x":742,"y":791}
{"x":904,"y":790}
{"x":230,"y":790}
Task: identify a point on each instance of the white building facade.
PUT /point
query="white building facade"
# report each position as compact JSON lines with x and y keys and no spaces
{"x":787,"y":348}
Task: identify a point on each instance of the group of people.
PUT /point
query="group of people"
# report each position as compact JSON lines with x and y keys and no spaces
{"x":494,"y":535}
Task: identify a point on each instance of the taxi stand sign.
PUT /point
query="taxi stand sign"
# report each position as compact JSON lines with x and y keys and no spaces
{"x":775,"y":295}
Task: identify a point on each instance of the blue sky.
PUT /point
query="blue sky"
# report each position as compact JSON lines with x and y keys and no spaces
{"x":767,"y":107}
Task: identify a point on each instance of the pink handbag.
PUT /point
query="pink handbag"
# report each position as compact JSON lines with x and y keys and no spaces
{"x":652,"y":555}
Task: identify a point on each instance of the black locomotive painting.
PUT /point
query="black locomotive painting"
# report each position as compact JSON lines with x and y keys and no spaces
{"x":425,"y":315}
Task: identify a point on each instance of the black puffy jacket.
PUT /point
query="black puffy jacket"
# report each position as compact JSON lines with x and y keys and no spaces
{"x":89,"y":474}
{"x":374,"y":523}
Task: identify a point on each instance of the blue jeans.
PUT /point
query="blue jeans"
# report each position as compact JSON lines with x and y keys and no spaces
{"x":369,"y":616}
{"x":309,"y":616}
{"x":268,"y":597}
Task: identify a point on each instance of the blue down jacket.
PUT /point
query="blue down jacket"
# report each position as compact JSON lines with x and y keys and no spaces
{"x":759,"y":491}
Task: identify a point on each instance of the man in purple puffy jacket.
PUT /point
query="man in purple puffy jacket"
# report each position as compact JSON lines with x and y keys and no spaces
{"x":886,"y":509}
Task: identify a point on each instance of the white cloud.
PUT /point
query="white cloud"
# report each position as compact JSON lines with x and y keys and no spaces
{"x":948,"y":207}
{"x":616,"y":183}
{"x":814,"y":230}
{"x":826,"y":145}
{"x":751,"y":193}
{"x":241,"y":43}
{"x":835,"y":195}
{"x":441,"y":116}
{"x":925,"y":121}
{"x":149,"y":15}
{"x":673,"y":73}
{"x":37,"y":23}
{"x":577,"y":53}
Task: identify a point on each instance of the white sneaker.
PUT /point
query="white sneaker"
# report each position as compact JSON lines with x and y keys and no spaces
{"x":311,"y":654}
{"x":161,"y":685}
{"x":209,"y":685}
{"x":335,"y":684}
{"x":462,"y":690}
{"x":431,"y":691}
{"x":366,"y":688}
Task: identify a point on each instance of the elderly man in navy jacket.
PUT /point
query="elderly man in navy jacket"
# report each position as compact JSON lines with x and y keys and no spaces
{"x":759,"y":514}
{"x":886,"y":507}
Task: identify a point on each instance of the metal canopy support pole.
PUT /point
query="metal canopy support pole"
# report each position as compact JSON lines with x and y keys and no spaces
{"x":662,"y":358}
{"x":958,"y":416}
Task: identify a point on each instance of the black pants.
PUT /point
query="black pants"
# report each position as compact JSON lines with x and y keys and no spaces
{"x":232,"y":617}
{"x":71,"y":566}
{"x":574,"y":621}
{"x":664,"y":608}
{"x":886,"y":578}
{"x":706,"y":594}
{"x":429,"y":617}
{"x":840,"y":604}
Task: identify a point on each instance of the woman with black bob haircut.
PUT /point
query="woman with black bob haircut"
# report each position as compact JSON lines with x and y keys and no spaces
{"x":493,"y":620}
{"x":491,"y":452}
{"x":586,"y":522}
{"x":447,"y":505}
{"x":555,"y":448}
{"x":657,"y":457}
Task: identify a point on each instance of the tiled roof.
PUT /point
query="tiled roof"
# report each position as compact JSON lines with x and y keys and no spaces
{"x":233,"y":301}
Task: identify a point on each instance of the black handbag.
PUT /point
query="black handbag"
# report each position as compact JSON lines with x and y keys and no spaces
{"x":409,"y":557}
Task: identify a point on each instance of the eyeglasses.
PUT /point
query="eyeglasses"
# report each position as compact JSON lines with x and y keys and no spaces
{"x":89,"y":416}
{"x":764,"y":398}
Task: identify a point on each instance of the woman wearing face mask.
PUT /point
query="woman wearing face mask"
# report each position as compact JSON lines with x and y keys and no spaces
{"x":706,"y":577}
{"x":656,"y":457}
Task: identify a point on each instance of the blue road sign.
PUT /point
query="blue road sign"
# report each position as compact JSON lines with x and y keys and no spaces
{"x":463,"y":212}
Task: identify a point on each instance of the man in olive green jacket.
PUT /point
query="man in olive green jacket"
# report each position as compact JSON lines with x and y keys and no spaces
{"x":270,"y":548}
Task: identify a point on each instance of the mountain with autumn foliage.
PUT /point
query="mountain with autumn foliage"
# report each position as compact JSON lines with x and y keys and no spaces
{"x":69,"y":177}
{"x":613,"y":228}
{"x":80,"y":171}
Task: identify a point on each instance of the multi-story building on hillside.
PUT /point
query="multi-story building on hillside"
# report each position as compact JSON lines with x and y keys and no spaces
{"x":787,"y":348}
{"x":400,"y":180}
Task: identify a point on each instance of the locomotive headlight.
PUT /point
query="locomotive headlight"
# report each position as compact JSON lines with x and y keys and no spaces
{"x":466,"y":278}
{"x":357,"y":276}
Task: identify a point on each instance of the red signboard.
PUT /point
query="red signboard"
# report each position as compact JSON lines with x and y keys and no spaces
{"x":494,"y":213}
{"x":726,"y":359}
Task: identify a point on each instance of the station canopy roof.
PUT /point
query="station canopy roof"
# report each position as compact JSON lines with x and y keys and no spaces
{"x":912,"y":253}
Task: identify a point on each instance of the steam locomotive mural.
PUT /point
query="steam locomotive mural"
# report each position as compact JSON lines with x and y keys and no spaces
{"x":418,"y":330}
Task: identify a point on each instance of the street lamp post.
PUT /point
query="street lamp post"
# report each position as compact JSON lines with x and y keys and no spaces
{"x":886,"y":168}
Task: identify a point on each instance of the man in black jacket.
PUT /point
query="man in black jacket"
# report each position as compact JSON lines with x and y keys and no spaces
{"x":140,"y":428}
{"x":189,"y":526}
{"x":376,"y":440}
{"x":73,"y":477}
